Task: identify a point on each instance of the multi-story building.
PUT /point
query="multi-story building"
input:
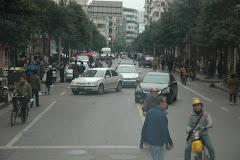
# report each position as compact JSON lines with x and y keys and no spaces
{"x":132,"y":27}
{"x":83,"y":3}
{"x":154,"y":10}
{"x":107,"y":16}
{"x":141,"y":21}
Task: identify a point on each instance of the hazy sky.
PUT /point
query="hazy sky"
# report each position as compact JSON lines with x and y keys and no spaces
{"x":136,"y":4}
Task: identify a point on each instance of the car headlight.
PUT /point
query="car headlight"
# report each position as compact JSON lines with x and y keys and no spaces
{"x":139,"y":89}
{"x":167,"y":90}
{"x":90,"y":83}
{"x":73,"y":82}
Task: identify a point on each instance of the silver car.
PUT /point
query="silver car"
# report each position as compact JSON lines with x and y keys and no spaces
{"x":129,"y":73}
{"x":98,"y":80}
{"x":69,"y":71}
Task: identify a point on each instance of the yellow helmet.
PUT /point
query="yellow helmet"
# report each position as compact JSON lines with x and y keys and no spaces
{"x":196,"y":101}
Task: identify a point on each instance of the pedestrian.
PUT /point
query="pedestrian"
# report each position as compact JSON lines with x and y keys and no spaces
{"x":154,"y":63}
{"x":34,"y":81}
{"x":62,"y":67}
{"x":198,"y":65}
{"x":201,"y":67}
{"x":159,"y":62}
{"x":75,"y":70}
{"x":42,"y":70}
{"x":150,"y":103}
{"x":30,"y":69}
{"x":81,"y":68}
{"x":163,"y":64}
{"x":26,"y":61}
{"x":170,"y":65}
{"x":155,"y":130}
{"x":48,"y":80}
{"x":233,"y":84}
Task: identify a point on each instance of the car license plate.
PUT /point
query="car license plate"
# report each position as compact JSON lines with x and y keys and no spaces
{"x":128,"y":82}
{"x":80,"y":87}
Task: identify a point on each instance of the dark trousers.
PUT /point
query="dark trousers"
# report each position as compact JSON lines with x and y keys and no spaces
{"x":234,"y":98}
{"x":47,"y":89}
{"x":61,"y":75}
{"x":24,"y":102}
{"x":35,"y":92}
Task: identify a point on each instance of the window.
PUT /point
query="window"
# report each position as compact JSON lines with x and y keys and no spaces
{"x":114,"y":73}
{"x":101,"y":26}
{"x":162,"y":4}
{"x":108,"y":73}
{"x":156,"y":14}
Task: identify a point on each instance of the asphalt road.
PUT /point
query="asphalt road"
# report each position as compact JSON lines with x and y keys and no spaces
{"x":108,"y":126}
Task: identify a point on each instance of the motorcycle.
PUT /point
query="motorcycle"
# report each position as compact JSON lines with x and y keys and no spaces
{"x":197,"y":146}
{"x":109,"y":63}
{"x":192,"y":73}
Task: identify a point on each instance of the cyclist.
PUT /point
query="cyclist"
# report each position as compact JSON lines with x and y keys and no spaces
{"x":184,"y":73}
{"x":205,"y":121}
{"x":150,"y":103}
{"x":23,"y":88}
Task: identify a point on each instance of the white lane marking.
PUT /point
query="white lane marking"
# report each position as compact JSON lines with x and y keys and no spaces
{"x":225,"y":109}
{"x":67,"y":147}
{"x":17,"y":137}
{"x":195,"y":92}
{"x":68,"y":87}
{"x":62,"y":93}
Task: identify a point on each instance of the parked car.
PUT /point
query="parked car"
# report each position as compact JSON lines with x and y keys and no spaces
{"x":69,"y":70}
{"x":160,"y":81}
{"x":147,"y":61}
{"x":129,"y":73}
{"x":127,"y":61}
{"x":97,"y":80}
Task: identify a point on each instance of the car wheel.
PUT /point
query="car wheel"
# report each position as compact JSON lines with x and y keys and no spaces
{"x":170,"y":98}
{"x":75,"y":92}
{"x":100,"y":89}
{"x":119,"y":87}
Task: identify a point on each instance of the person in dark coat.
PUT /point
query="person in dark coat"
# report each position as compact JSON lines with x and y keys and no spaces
{"x":220,"y":69}
{"x":233,"y":85}
{"x":75,"y":70}
{"x":48,"y":80}
{"x":34,"y":81}
{"x":81,"y":68}
{"x":62,"y":67}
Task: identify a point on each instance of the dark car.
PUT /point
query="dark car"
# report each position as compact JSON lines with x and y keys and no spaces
{"x":147,"y":61}
{"x":160,"y":81}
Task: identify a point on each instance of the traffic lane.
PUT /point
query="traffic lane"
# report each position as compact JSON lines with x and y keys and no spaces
{"x":8,"y":132}
{"x":88,"y":120}
{"x":215,"y":102}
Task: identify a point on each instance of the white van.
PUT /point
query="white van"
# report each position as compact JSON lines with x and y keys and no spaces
{"x":105,"y":51}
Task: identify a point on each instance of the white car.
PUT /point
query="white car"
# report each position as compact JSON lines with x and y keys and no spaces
{"x":69,"y":70}
{"x":130,"y":74}
{"x":97,"y":80}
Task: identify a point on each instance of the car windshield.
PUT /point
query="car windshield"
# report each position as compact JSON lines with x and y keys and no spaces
{"x":126,"y":69}
{"x":93,"y":73}
{"x":83,"y":58}
{"x":160,"y":79}
{"x":126,"y":62}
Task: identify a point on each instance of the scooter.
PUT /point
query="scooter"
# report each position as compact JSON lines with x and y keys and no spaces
{"x":109,"y":63}
{"x":192,"y":73}
{"x":197,"y":146}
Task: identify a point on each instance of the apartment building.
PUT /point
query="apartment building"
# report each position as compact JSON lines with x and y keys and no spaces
{"x":141,"y":21}
{"x":132,"y":27}
{"x":154,"y":10}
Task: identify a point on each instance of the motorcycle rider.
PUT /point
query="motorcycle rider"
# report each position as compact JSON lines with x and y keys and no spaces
{"x":108,"y":60}
{"x":150,"y":103}
{"x":205,"y":121}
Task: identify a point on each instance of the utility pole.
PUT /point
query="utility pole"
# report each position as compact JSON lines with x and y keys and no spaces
{"x":59,"y":44}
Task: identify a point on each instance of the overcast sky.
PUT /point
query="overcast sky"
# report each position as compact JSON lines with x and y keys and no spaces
{"x":136,"y":4}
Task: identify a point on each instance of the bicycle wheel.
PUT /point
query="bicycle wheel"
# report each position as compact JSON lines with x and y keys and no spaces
{"x":25,"y":115}
{"x":14,"y":116}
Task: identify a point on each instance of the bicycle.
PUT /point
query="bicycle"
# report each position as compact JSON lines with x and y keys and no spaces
{"x":17,"y":106}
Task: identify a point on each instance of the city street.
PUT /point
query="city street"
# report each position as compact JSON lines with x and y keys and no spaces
{"x":108,"y":127}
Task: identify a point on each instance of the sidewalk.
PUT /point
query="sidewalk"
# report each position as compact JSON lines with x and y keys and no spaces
{"x":218,"y":83}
